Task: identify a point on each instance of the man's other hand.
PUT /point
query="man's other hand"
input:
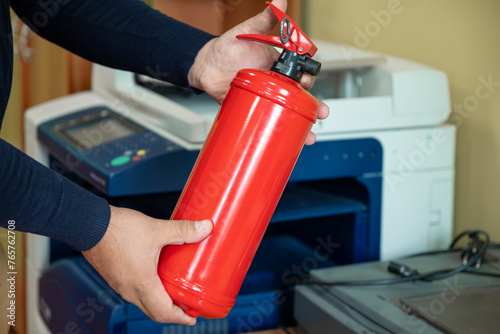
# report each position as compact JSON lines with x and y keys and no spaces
{"x":127,"y":258}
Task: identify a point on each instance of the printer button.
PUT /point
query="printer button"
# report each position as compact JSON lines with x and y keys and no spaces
{"x":121,"y":160}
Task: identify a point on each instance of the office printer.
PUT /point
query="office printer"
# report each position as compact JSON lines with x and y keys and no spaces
{"x":377,"y":184}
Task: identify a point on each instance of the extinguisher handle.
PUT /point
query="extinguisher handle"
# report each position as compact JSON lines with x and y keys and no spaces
{"x":291,"y":37}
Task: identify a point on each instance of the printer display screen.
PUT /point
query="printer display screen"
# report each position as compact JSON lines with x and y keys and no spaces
{"x":96,"y":129}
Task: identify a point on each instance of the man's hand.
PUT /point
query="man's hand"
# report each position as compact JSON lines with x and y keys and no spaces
{"x":218,"y":62}
{"x":127,"y":258}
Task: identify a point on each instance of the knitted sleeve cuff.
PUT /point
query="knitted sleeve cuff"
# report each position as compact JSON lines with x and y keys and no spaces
{"x":174,"y":54}
{"x":81,"y":219}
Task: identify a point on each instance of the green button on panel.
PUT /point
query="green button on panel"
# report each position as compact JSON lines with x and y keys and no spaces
{"x":121,"y":160}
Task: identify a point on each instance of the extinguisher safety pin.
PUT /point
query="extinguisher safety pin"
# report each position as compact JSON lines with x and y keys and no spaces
{"x":285,"y":38}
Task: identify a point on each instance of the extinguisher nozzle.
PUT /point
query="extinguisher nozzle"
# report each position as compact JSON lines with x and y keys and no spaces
{"x":311,"y":66}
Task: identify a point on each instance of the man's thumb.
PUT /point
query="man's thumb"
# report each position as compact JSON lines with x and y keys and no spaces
{"x":263,"y":22}
{"x":180,"y":232}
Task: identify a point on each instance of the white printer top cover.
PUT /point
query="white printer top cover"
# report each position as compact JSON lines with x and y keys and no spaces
{"x":364,"y":90}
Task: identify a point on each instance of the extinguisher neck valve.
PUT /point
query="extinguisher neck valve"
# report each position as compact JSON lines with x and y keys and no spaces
{"x":298,"y":49}
{"x":293,"y":65}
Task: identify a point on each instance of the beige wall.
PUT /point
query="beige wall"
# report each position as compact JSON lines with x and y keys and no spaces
{"x":42,"y":77}
{"x":459,"y":37}
{"x":11,"y":125}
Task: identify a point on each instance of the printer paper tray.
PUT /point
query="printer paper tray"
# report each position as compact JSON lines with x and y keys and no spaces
{"x":300,"y":202}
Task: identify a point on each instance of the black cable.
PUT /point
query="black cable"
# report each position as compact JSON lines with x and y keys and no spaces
{"x":432,"y":276}
{"x":373,"y":282}
{"x":451,"y":247}
{"x":478,"y":256}
{"x":459,"y":236}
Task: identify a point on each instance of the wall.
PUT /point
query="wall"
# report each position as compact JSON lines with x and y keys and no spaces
{"x":217,"y":16}
{"x":459,"y":37}
{"x":11,"y":128}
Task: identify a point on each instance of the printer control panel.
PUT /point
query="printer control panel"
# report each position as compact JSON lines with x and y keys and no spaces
{"x":99,"y":145}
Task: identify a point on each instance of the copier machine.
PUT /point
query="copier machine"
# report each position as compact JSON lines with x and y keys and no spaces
{"x":377,"y":184}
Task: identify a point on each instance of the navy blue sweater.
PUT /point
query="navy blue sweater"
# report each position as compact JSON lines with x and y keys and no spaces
{"x":125,"y":34}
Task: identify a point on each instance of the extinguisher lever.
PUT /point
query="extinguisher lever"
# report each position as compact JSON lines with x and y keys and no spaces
{"x":270,"y":40}
{"x":291,"y":37}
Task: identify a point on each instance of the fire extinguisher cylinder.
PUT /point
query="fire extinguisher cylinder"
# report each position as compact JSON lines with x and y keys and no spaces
{"x":240,"y":175}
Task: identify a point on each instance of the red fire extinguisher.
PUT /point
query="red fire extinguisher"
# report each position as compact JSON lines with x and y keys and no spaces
{"x":240,"y":175}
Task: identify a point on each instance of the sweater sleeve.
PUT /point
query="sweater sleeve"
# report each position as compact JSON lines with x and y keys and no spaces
{"x":125,"y":34}
{"x":44,"y":202}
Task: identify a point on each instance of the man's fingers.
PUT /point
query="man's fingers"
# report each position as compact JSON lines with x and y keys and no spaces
{"x":310,"y":139}
{"x":269,"y":14}
{"x":307,"y":81}
{"x":265,"y":21}
{"x":178,"y":232}
{"x":159,"y":306}
{"x":323,"y":110}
